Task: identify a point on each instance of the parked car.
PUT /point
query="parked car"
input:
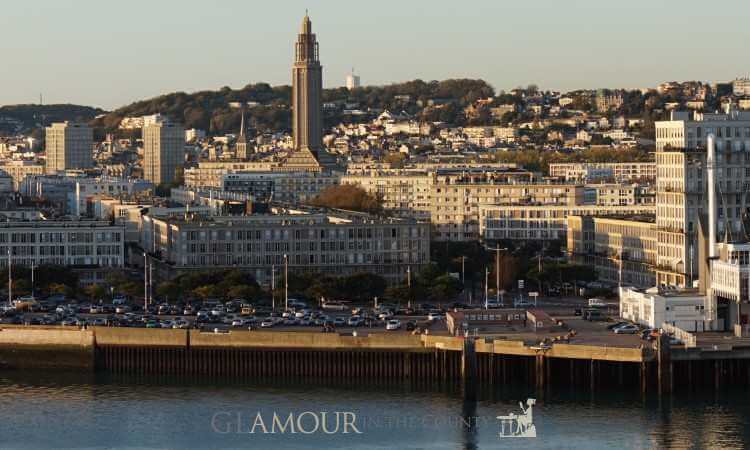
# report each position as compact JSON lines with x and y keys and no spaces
{"x":393,"y":325}
{"x":434,"y":315}
{"x":618,"y":324}
{"x":626,"y":329}
{"x":385,"y":315}
{"x":592,"y":314}
{"x":267,"y":323}
{"x":355,"y":321}
{"x":411,"y":325}
{"x":335,"y":306}
{"x":596,"y":303}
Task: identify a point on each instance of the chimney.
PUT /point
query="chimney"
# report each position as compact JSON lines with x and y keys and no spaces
{"x":710,"y":169}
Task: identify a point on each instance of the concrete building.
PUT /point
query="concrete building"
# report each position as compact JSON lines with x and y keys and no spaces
{"x":91,"y":248}
{"x":681,"y":185}
{"x":163,"y":151}
{"x":741,"y":87}
{"x":542,"y":222}
{"x":69,"y":145}
{"x":285,"y":187}
{"x":19,"y":170}
{"x":622,"y":250}
{"x":315,"y":242}
{"x":682,"y":308}
{"x":451,"y":198}
{"x":588,"y":172}
{"x":622,"y":194}
{"x":72,"y":193}
{"x":352,"y":81}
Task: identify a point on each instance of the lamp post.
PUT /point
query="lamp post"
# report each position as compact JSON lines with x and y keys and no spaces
{"x":273,"y":287}
{"x":286,"y":283}
{"x":408,"y":285}
{"x":486,"y":285}
{"x":10,"y":279}
{"x":497,"y":251}
{"x":145,"y":283}
{"x":32,"y":280}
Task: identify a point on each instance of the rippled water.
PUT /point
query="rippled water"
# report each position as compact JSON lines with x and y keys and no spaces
{"x":57,"y":410}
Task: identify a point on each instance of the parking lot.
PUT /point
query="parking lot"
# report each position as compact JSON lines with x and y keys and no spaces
{"x":222,"y":316}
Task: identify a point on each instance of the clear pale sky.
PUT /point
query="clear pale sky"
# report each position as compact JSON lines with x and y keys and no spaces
{"x":107,"y":53}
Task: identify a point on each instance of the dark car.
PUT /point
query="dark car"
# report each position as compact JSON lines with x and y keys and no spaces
{"x":411,"y":325}
{"x":614,"y":325}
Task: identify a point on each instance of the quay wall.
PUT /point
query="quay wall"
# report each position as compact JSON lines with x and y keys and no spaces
{"x":46,"y":348}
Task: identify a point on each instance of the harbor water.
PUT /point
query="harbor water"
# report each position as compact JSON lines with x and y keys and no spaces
{"x":57,"y":410}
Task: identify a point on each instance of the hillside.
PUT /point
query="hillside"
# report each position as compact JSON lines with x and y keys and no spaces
{"x":211,"y":110}
{"x":23,"y":118}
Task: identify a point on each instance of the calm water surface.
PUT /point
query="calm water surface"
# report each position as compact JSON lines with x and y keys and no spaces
{"x":59,"y":410}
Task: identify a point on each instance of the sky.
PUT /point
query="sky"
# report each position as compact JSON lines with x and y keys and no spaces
{"x":108,"y":53}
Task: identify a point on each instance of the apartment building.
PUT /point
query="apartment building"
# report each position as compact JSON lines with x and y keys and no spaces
{"x":681,"y":185}
{"x":286,"y":187}
{"x":310,"y":241}
{"x":163,"y":151}
{"x":622,"y":194}
{"x":627,"y":172}
{"x":543,"y":222}
{"x":622,"y":250}
{"x":451,"y":198}
{"x":19,"y":170}
{"x":69,"y":145}
{"x":89,"y":247}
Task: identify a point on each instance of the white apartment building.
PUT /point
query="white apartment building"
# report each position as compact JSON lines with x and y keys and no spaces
{"x":69,"y":145}
{"x":681,"y":185}
{"x":163,"y":151}
{"x":626,"y":172}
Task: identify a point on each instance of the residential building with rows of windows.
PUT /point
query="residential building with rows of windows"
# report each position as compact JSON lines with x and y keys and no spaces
{"x":312,"y":241}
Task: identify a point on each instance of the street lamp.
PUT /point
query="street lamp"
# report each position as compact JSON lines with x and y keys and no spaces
{"x":286,"y":282}
{"x":497,"y":251}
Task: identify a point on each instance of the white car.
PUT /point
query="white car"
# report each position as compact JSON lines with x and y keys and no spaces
{"x":626,"y":329}
{"x":301,"y":313}
{"x":267,"y":323}
{"x":392,"y":325}
{"x":122,"y":309}
{"x":385,"y":315}
{"x":596,"y":303}
{"x":434,"y":316}
{"x":238,"y":322}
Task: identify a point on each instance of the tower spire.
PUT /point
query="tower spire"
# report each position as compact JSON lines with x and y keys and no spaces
{"x":242,"y":122}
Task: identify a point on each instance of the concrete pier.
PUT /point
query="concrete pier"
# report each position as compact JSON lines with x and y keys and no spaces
{"x":449,"y":361}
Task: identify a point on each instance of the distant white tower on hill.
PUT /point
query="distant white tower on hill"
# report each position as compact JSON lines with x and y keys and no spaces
{"x":352,"y":81}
